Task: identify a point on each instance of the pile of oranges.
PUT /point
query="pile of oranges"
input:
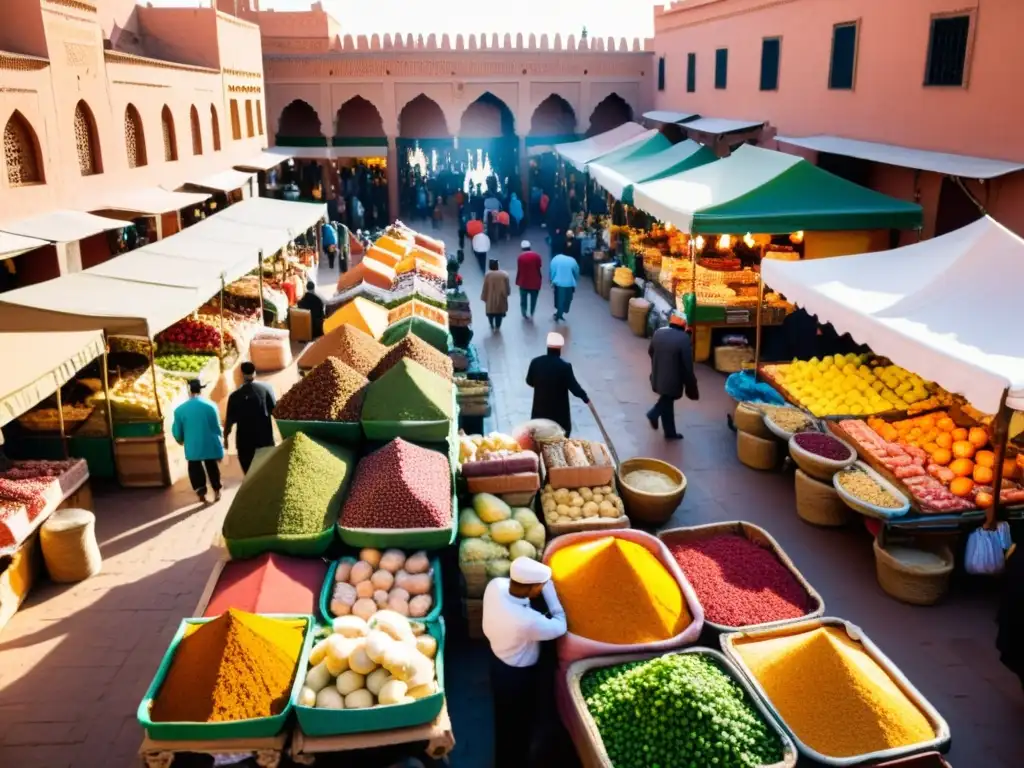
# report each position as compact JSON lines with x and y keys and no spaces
{"x":963,"y":452}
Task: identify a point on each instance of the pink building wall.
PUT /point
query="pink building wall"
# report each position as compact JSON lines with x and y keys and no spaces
{"x":888,"y":102}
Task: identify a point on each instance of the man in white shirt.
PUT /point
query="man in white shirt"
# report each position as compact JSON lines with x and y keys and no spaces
{"x":481,"y":245}
{"x":515,"y":631}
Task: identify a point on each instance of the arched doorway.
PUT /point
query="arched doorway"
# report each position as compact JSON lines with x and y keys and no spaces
{"x":487,"y":146}
{"x":359,"y":173}
{"x":298,"y":121}
{"x":358,"y":118}
{"x":425,"y":156}
{"x":553,"y":117}
{"x":612,"y":112}
{"x":553,"y":121}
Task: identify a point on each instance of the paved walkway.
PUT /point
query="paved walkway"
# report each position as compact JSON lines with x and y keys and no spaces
{"x":75,"y":661}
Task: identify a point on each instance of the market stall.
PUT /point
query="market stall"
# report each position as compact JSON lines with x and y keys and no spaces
{"x":160,"y":205}
{"x":579,"y":153}
{"x":619,"y":177}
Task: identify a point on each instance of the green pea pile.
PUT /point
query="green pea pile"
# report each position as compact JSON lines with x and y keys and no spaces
{"x":677,"y":711}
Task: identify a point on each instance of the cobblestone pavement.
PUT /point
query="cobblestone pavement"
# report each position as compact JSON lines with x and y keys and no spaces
{"x":75,"y":661}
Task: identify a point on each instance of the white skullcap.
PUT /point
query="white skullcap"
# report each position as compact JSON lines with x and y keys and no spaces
{"x":555,"y":341}
{"x":525,"y":244}
{"x":526,"y":570}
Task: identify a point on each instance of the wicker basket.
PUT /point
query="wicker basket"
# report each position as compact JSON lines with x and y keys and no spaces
{"x":758,"y":536}
{"x":818,"y":503}
{"x":650,"y":508}
{"x":819,"y":467}
{"x":618,"y":301}
{"x":474,"y":577}
{"x":914,"y":584}
{"x":748,"y":418}
{"x":733,"y":359}
{"x":756,"y":452}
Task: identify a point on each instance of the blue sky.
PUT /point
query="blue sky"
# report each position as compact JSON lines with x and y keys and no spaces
{"x":619,"y":18}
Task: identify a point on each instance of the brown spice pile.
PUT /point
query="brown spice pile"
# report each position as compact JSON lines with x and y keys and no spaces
{"x":355,"y":348}
{"x":330,"y":392}
{"x":412,"y":347}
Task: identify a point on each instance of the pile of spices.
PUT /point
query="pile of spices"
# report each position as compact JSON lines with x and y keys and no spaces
{"x":616,"y":591}
{"x":269,"y":583}
{"x":296,"y":491}
{"x":822,"y":445}
{"x":355,"y":348}
{"x":740,"y":583}
{"x":432,"y":333}
{"x":400,"y":486}
{"x":237,"y":667}
{"x":833,"y":695}
{"x":677,"y":710}
{"x":415,"y":348}
{"x":408,"y":392}
{"x":860,"y":484}
{"x":330,"y":392}
{"x":787,"y":419}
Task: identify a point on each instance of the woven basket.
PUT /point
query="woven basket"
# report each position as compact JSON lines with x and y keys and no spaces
{"x":732,"y":359}
{"x":68,"y":539}
{"x":756,"y":452}
{"x":474,"y":576}
{"x":817,"y":466}
{"x":636,"y":316}
{"x":818,"y":503}
{"x":618,"y":301}
{"x":914,"y":584}
{"x":748,"y":418}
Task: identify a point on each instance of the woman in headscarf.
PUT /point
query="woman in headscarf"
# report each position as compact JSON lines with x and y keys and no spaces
{"x":515,"y":210}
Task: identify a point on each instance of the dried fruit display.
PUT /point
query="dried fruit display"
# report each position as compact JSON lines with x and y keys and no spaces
{"x":330,"y":392}
{"x":400,"y":486}
{"x":354,"y":347}
{"x":414,"y":348}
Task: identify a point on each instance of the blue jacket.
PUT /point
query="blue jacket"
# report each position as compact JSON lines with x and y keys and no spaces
{"x":197,"y":427}
{"x":515,"y":208}
{"x":564,"y":271}
{"x":328,"y":234}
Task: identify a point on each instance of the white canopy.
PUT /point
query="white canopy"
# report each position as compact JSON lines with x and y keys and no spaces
{"x":62,"y":226}
{"x":945,"y":308}
{"x":225,"y":181}
{"x":718,"y":125}
{"x":266,"y":160}
{"x":267,"y":212}
{"x":579,"y":153}
{"x":233,"y":259}
{"x":906,"y":157}
{"x":14,"y":245}
{"x":665,"y":116}
{"x":150,"y":200}
{"x":142,"y":266}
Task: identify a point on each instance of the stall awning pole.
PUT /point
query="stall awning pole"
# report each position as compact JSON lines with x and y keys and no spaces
{"x":106,"y":392}
{"x":757,"y":326}
{"x":222,"y":323}
{"x":156,"y":383}
{"x":60,"y":422}
{"x":693,"y":293}
{"x":261,"y":286}
{"x":1000,"y":437}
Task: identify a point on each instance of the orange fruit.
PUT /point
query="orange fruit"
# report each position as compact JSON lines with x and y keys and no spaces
{"x":961,"y":486}
{"x":926,"y":422}
{"x":946,"y":424}
{"x":1020,"y":460}
{"x":984,"y":499}
{"x":959,"y":434}
{"x":985,"y":459}
{"x":930,"y":448}
{"x":1010,"y":469}
{"x":963,"y":449}
{"x":982,"y":475}
{"x":944,"y":440}
{"x":962,"y":467}
{"x":942,"y":456}
{"x":978,"y":437}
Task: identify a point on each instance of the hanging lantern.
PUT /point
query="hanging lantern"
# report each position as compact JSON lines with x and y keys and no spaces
{"x":748,"y":240}
{"x":724,"y":243}
{"x":699,"y":242}
{"x":797,"y":237}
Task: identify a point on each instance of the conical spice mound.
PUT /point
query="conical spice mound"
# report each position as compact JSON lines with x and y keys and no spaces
{"x":414,"y":348}
{"x":330,"y":392}
{"x":354,"y":347}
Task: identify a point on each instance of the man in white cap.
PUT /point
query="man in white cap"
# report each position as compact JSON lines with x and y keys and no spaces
{"x":552,"y":379}
{"x":515,"y":630}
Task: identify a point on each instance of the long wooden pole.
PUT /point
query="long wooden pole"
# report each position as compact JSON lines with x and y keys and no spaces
{"x":156,"y":383}
{"x":106,"y":392}
{"x":1000,"y":437}
{"x":757,"y":325}
{"x":60,"y":422}
{"x":261,"y":286}
{"x":222,"y":323}
{"x":693,"y":292}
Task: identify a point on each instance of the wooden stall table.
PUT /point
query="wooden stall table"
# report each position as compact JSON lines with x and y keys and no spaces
{"x":267,"y":752}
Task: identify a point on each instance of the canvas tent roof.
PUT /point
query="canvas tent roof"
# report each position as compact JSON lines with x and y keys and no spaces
{"x":142,"y":266}
{"x":634,"y":150}
{"x":36,"y":364}
{"x":760,"y":190}
{"x":666,"y":116}
{"x":225,"y":181}
{"x":619,"y":178}
{"x":579,"y":153}
{"x":62,"y":226}
{"x":720,"y":125}
{"x":266,"y":160}
{"x":267,"y":212}
{"x":150,"y":200}
{"x":945,"y":308}
{"x":13,"y":245}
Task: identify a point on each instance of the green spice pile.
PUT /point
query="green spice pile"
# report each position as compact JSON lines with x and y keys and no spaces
{"x":354,"y":347}
{"x":297,"y":490}
{"x":415,"y":348}
{"x":677,"y":710}
{"x":432,"y":333}
{"x":408,"y":392}
{"x":330,"y":392}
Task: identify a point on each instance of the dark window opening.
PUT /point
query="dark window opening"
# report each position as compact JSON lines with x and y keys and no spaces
{"x":721,"y":67}
{"x":691,"y":72}
{"x":771,"y":50}
{"x":947,"y":51}
{"x":844,"y":56}
{"x":661,"y":74}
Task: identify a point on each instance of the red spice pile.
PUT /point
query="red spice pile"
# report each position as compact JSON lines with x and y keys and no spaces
{"x":740,"y":583}
{"x":270,"y":583}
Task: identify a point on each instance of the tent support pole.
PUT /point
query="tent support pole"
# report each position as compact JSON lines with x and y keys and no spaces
{"x":106,"y":392}
{"x":693,"y":293}
{"x":757,"y":326}
{"x":1000,"y":437}
{"x":222,"y":323}
{"x":60,"y":422}
{"x":261,"y":286}
{"x":156,"y":384}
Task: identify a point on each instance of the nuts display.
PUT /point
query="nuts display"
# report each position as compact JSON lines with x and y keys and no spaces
{"x":414,"y":348}
{"x":354,"y":347}
{"x":330,"y":392}
{"x":858,"y":483}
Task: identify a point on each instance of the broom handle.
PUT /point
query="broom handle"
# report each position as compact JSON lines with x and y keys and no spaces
{"x":604,"y":433}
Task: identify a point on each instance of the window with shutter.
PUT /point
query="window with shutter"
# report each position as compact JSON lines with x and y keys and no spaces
{"x":721,"y":68}
{"x":691,"y":72}
{"x":21,"y":152}
{"x":86,"y":141}
{"x":134,"y":138}
{"x":947,"y":50}
{"x":771,"y":49}
{"x":661,"y":73}
{"x":249,"y":130}
{"x":197,"y":135}
{"x":844,"y":56}
{"x":215,"y":127}
{"x":170,"y":139}
{"x":236,"y":121}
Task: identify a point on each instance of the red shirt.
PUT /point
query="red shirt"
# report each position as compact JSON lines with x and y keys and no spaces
{"x":528,"y":271}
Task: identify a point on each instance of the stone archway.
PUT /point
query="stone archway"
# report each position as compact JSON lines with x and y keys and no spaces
{"x":488,"y":117}
{"x":299,"y":120}
{"x":359,"y":118}
{"x":553,"y":117}
{"x":612,"y":112}
{"x":422,"y":118}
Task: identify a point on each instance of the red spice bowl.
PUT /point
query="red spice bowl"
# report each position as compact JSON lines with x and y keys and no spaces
{"x":820,"y":454}
{"x":739,"y":586}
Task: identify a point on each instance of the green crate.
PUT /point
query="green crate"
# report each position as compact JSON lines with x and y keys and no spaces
{"x":138,"y":428}
{"x":314,"y":545}
{"x":416,"y":431}
{"x":432,"y":333}
{"x":328,"y":589}
{"x":336,"y":722}
{"x":403,"y":538}
{"x":349,"y":434}
{"x":98,"y":453}
{"x":256,"y":728}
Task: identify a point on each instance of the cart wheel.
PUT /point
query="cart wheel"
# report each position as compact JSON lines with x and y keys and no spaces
{"x":268,"y":758}
{"x":158,"y":759}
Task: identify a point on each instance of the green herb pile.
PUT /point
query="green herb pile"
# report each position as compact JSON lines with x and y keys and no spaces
{"x":432,"y":333}
{"x":183,"y":363}
{"x":677,"y":711}
{"x":408,"y":392}
{"x":297,"y":490}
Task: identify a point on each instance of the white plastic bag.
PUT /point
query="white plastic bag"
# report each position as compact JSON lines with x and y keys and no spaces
{"x":985,"y":554}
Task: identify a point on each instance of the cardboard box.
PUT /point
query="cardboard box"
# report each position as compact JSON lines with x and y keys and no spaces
{"x":580,"y":477}
{"x":521,"y":482}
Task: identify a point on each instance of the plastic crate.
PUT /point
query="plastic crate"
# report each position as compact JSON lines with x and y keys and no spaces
{"x":328,"y":588}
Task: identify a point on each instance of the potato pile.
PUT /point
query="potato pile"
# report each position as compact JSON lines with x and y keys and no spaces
{"x":383,"y":581}
{"x":330,"y":392}
{"x":565,"y":505}
{"x":388,"y":660}
{"x":495,"y":534}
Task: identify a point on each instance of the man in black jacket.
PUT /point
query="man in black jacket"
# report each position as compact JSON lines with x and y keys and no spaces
{"x":250,"y":407}
{"x":552,"y":379}
{"x":312,"y":303}
{"x":671,"y":373}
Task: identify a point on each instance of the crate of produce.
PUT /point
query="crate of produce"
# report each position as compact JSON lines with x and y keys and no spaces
{"x":519,"y":482}
{"x":682,"y":741}
{"x":339,"y":432}
{"x":577,"y":464}
{"x":259,"y":727}
{"x":317,"y":721}
{"x":327,"y":592}
{"x":558,"y":515}
{"x":410,"y":402}
{"x":730,"y":359}
{"x":510,"y":533}
{"x":826,"y":671}
{"x":703,"y":572}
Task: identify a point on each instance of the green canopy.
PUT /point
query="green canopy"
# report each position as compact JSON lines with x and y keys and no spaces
{"x":761,"y":190}
{"x":641,"y":149}
{"x":619,"y":177}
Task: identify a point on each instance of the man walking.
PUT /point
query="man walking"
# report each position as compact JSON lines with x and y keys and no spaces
{"x":552,"y":379}
{"x":197,"y":427}
{"x":529,"y":277}
{"x":565,"y":271}
{"x":672,"y":373}
{"x":481,"y":246}
{"x":329,"y":236}
{"x":250,"y":407}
